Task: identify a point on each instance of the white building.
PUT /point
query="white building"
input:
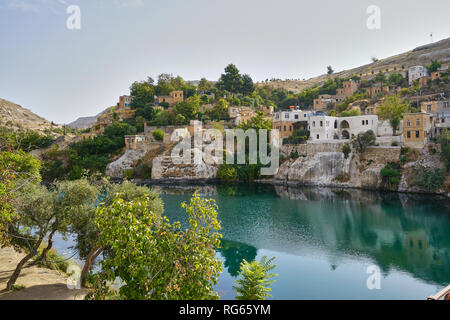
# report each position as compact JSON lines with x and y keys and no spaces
{"x":292,"y":115}
{"x":340,"y":128}
{"x":417,"y":72}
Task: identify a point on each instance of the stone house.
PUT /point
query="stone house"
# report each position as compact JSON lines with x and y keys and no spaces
{"x":173,"y":98}
{"x":124,"y":102}
{"x":341,"y":128}
{"x":416,"y":72}
{"x":417,"y":129}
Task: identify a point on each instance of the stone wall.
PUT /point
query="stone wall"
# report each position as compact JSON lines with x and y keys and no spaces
{"x":312,"y":148}
{"x":382,"y":155}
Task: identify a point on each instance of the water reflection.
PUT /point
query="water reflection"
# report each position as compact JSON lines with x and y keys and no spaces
{"x":234,"y":253}
{"x":395,"y":231}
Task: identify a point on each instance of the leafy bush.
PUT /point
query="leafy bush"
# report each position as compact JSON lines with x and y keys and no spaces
{"x":227,"y":172}
{"x":346,"y":149}
{"x":350,"y":113}
{"x":155,"y":259}
{"x":158,"y":135}
{"x":391,"y":174}
{"x":294,"y":154}
{"x":297,"y":137}
{"x":444,"y":140}
{"x":429,"y":178}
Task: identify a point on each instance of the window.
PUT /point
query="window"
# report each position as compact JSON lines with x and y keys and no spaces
{"x":314,"y":123}
{"x":417,"y":134}
{"x":286,"y":115}
{"x":408,"y":134}
{"x":367,"y":122}
{"x":363,"y":122}
{"x":417,"y":122}
{"x":408,"y":123}
{"x":296,"y":116}
{"x":321,"y":123}
{"x":318,"y":137}
{"x":285,"y":128}
{"x":429,"y":108}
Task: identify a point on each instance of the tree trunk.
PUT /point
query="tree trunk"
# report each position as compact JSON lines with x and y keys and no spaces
{"x":49,"y":245}
{"x":16,"y":273}
{"x":93,"y":254}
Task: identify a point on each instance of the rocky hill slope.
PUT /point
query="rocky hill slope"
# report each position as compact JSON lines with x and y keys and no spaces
{"x":83,"y":122}
{"x":17,"y":117}
{"x":422,"y":55}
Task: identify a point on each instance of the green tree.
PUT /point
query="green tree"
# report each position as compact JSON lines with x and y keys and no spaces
{"x":247,"y":85}
{"x":231,"y":80}
{"x":256,"y":122}
{"x":16,"y":171}
{"x":158,"y":135}
{"x":255,"y":280}
{"x":434,"y":66}
{"x":142,"y":94}
{"x":392,"y":109}
{"x":220,"y":110}
{"x":380,"y":78}
{"x":364,"y":140}
{"x":204,"y":85}
{"x":188,"y":108}
{"x":330,"y":70}
{"x":86,"y":230}
{"x":395,"y":79}
{"x":157,"y":260}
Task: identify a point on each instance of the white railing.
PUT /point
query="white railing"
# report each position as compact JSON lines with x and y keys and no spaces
{"x":441,"y":294}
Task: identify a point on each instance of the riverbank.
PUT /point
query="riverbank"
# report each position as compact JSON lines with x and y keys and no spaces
{"x":39,"y":283}
{"x":275,"y":182}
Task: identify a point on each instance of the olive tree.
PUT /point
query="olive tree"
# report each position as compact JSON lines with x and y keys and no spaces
{"x":86,"y":230}
{"x":41,"y":212}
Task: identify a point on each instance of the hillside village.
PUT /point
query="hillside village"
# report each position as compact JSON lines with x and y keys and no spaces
{"x":401,"y":112}
{"x":328,"y":125}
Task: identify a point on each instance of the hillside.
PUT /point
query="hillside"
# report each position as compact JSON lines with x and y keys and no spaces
{"x":83,"y":122}
{"x":17,"y":117}
{"x":422,"y":55}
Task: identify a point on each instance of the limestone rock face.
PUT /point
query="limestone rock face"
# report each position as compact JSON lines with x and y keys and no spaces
{"x":164,"y":168}
{"x":331,"y":168}
{"x":117,"y":168}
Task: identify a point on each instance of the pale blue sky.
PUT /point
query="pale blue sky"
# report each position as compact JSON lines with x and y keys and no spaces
{"x":62,"y":74}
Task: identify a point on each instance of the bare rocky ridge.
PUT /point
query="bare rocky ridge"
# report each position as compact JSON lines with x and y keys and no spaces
{"x":14,"y":116}
{"x":83,"y":122}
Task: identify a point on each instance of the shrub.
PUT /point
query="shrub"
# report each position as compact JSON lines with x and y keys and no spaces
{"x":158,"y":135}
{"x":429,"y":178}
{"x":343,"y":177}
{"x":394,"y":144}
{"x":346,"y":149}
{"x":227,"y":172}
{"x":298,"y":137}
{"x":391,"y":174}
{"x":294,"y":155}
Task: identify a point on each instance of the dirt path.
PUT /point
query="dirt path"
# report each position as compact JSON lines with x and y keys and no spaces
{"x":40,"y":283}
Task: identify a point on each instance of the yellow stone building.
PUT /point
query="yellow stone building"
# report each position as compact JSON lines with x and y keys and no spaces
{"x":416,"y":129}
